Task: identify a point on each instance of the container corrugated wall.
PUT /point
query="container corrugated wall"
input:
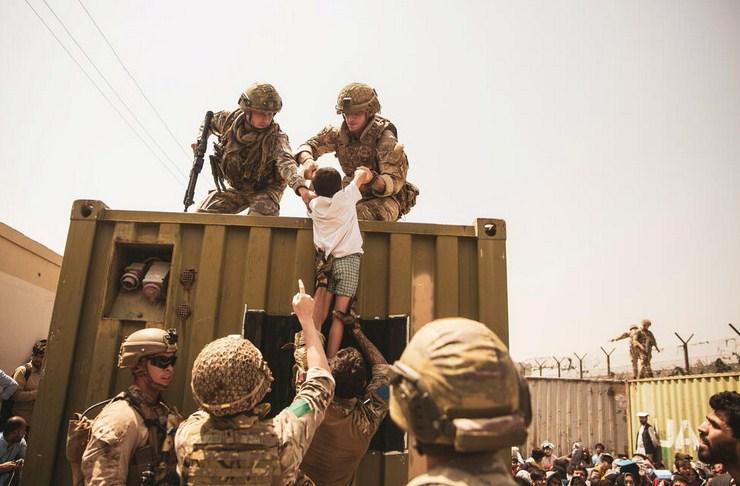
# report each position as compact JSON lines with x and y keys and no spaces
{"x":567,"y":410}
{"x":677,"y":407}
{"x":423,"y":270}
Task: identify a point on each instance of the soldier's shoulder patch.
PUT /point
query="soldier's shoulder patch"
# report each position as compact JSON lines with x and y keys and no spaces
{"x":384,"y":392}
{"x":300,"y":407}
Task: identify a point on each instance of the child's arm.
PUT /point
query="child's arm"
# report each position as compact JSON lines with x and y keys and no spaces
{"x":363,"y":175}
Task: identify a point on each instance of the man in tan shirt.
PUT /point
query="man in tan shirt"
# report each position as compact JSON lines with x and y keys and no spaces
{"x":353,"y":417}
{"x":28,"y":377}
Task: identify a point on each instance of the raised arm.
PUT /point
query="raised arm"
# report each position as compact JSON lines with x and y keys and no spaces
{"x":303,"y":307}
{"x":372,"y":353}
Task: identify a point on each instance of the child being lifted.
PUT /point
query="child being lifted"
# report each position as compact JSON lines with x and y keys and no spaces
{"x":338,"y":242}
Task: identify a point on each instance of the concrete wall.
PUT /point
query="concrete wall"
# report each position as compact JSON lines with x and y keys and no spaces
{"x":28,"y":280}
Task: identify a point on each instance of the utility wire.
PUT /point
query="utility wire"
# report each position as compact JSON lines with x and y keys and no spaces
{"x":128,"y":123}
{"x":138,"y":86}
{"x":115,"y":92}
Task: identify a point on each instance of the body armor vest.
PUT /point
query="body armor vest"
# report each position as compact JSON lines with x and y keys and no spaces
{"x":235,"y":450}
{"x":353,"y":152}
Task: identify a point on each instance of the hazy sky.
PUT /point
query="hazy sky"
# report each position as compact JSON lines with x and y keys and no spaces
{"x":606,"y":134}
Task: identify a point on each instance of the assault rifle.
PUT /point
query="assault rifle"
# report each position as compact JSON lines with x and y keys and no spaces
{"x":200,"y":152}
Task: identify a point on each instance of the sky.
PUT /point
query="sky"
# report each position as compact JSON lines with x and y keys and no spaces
{"x":606,"y":134}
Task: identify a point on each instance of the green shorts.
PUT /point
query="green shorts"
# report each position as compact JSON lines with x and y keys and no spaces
{"x":345,"y":275}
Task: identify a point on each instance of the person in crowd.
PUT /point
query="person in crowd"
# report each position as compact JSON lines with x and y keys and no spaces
{"x":647,"y":440}
{"x":28,"y":376}
{"x":720,"y":476}
{"x":534,"y":462}
{"x":12,"y":449}
{"x":599,"y":449}
{"x":538,"y":477}
{"x":719,"y":434}
{"x":548,"y":448}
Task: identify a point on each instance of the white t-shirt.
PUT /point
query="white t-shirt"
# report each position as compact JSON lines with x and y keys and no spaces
{"x":335,"y":227}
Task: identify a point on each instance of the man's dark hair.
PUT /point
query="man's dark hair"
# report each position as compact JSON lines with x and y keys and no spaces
{"x":599,"y":444}
{"x":350,"y":373}
{"x":538,"y":454}
{"x":577,"y":482}
{"x":536,"y":474}
{"x":727,"y":404}
{"x":327,"y":181}
{"x":13,"y":424}
{"x":555,"y":478}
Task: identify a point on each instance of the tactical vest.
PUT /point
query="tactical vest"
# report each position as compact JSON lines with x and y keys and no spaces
{"x":242,"y":163}
{"x":236,"y":450}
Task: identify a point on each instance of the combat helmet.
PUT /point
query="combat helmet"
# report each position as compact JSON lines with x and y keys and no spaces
{"x":456,"y":386}
{"x":357,"y":97}
{"x":146,"y":342}
{"x":230,"y":376}
{"x":262,"y":97}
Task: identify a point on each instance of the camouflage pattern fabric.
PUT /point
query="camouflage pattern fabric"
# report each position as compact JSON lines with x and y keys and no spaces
{"x":232,"y":201}
{"x":300,"y":361}
{"x":467,"y":470}
{"x":322,"y":268}
{"x":647,"y":339}
{"x":376,"y":148}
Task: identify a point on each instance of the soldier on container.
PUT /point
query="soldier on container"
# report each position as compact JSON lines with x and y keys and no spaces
{"x":647,"y":440}
{"x":132,"y":435}
{"x":636,"y":348}
{"x":647,"y":339}
{"x":719,"y":435}
{"x":457,"y":392}
{"x":365,"y":139}
{"x":228,"y":440}
{"x":253,"y":156}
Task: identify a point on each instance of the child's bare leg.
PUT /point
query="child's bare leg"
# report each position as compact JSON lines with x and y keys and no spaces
{"x":322,"y":300}
{"x":341,"y":303}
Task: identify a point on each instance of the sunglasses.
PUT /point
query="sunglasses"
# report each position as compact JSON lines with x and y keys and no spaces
{"x":163,"y":361}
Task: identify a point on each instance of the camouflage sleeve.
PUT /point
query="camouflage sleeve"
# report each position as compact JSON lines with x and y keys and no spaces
{"x":286,"y":164}
{"x":375,"y":406}
{"x":115,"y":434}
{"x":322,"y":143}
{"x":188,"y":432}
{"x":622,"y":336}
{"x":392,"y":163}
{"x":297,"y":424}
{"x":218,"y":124}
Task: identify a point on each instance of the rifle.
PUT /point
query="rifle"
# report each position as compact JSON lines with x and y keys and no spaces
{"x":200,"y":152}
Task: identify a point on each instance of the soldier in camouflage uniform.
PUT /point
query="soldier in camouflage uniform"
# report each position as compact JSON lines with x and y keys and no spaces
{"x":253,"y":156}
{"x":457,"y":392}
{"x":648,"y":342}
{"x":636,"y":348}
{"x":228,"y":441}
{"x":133,"y":435}
{"x":365,"y":139}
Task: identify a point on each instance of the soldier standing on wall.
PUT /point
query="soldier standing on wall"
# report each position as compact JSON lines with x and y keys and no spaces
{"x":457,"y":392}
{"x":647,"y":340}
{"x":365,"y":139}
{"x":252,"y":155}
{"x":228,"y":440}
{"x":636,"y":347}
{"x":132,"y":435}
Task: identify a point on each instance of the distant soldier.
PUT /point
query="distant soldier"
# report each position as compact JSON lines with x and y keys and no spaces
{"x":365,"y":139}
{"x":636,"y":348}
{"x":228,"y":441}
{"x":457,"y":392}
{"x":252,"y":155}
{"x":132,"y":438}
{"x":647,"y":340}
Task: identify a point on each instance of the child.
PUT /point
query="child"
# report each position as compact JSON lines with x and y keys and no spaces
{"x":337,"y":238}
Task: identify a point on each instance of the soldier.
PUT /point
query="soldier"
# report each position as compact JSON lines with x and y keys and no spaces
{"x":132,"y":438}
{"x":253,"y":156}
{"x":636,"y":348}
{"x":228,"y":440}
{"x":647,"y":340}
{"x":457,"y":391}
{"x":365,"y":139}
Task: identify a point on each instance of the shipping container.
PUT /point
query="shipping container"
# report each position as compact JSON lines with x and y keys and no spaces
{"x":571,"y":410}
{"x":677,"y":407}
{"x":220,"y":273}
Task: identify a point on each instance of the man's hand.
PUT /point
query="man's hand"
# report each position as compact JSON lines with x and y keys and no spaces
{"x":363,"y":175}
{"x":7,"y":466}
{"x":303,"y":306}
{"x":306,"y":194}
{"x":309,"y":168}
{"x":19,"y":463}
{"x":194,"y":146}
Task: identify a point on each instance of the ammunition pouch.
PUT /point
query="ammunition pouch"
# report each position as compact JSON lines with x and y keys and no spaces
{"x":406,"y":197}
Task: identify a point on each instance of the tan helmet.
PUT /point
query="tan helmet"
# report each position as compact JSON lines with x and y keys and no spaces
{"x":146,"y":342}
{"x":456,"y":386}
{"x":230,"y":376}
{"x":357,"y":97}
{"x":262,"y":97}
{"x":646,"y":322}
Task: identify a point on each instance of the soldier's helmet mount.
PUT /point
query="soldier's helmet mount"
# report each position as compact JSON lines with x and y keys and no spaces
{"x":356,"y":98}
{"x":146,"y":342}
{"x":262,"y":97}
{"x":230,"y":376}
{"x":456,"y":386}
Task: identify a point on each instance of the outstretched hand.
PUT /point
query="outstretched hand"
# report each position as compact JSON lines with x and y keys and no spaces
{"x":303,"y":305}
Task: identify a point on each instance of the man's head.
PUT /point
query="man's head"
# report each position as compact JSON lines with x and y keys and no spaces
{"x":538,"y":477}
{"x":357,"y":103}
{"x":151,"y":354}
{"x":327,"y":181}
{"x":683,"y":467}
{"x":607,"y":459}
{"x":260,"y":102}
{"x":456,"y":387}
{"x":547,"y":447}
{"x":679,"y":480}
{"x":646,"y":324}
{"x":37,"y":354}
{"x":14,"y":429}
{"x":599,"y":447}
{"x":718,"y":468}
{"x":537,"y":454}
{"x":230,"y":376}
{"x":719,"y":435}
{"x":643,"y":417}
{"x":580,"y":472}
{"x":350,"y":373}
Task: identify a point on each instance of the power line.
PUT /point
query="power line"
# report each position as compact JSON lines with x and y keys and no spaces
{"x":115,"y":92}
{"x":128,"y":123}
{"x":138,"y":86}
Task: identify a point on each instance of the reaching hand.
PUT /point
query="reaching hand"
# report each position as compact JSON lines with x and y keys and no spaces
{"x":303,"y":305}
{"x":363,"y":175}
{"x":309,"y":168}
